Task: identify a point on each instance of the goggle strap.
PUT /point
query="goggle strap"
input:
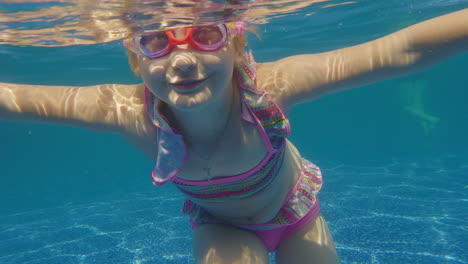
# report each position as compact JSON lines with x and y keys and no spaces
{"x":240,"y":27}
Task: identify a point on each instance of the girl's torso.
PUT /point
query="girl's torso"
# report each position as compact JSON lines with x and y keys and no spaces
{"x":247,"y":140}
{"x":241,"y":150}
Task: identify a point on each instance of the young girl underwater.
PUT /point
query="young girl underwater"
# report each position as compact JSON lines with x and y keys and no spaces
{"x":215,"y":123}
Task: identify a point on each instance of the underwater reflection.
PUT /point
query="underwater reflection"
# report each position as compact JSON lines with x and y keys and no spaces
{"x":74,"y":22}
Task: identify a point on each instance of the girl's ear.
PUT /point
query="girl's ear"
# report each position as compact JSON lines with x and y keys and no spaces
{"x":133,"y":62}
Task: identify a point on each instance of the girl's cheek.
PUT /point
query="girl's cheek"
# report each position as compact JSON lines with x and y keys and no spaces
{"x":156,"y":69}
{"x":151,"y":68}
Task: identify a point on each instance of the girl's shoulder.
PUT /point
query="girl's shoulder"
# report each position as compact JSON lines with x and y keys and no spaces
{"x":135,"y":125}
{"x":276,"y":79}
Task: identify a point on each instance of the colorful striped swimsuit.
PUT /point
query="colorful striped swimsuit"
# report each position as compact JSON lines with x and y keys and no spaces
{"x":274,"y":128}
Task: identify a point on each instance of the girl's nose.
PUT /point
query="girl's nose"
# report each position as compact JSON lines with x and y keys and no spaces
{"x":183,"y":63}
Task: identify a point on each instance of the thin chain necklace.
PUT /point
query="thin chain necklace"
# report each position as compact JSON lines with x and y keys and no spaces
{"x":207,"y":168}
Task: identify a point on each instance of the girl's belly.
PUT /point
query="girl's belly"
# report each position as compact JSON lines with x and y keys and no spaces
{"x":264,"y":205}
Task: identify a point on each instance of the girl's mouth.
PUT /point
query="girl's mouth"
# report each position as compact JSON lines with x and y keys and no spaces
{"x":187,"y":86}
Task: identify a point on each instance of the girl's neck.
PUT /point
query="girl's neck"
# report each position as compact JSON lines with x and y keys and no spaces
{"x":204,"y":124}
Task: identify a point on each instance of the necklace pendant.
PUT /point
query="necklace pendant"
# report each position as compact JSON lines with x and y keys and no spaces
{"x":207,"y":171}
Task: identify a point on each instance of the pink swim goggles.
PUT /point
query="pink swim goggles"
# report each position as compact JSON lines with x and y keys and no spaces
{"x":156,"y":44}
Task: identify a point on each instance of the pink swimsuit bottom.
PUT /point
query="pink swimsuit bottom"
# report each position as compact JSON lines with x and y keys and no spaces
{"x":300,"y":208}
{"x":272,"y":238}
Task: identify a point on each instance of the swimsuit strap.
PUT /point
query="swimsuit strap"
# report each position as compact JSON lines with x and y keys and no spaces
{"x":171,"y":147}
{"x":273,"y":122}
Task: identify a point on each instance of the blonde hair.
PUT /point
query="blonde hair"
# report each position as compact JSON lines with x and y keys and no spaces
{"x":240,"y":42}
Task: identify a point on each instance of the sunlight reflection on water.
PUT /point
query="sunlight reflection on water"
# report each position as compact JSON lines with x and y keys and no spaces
{"x":74,"y":22}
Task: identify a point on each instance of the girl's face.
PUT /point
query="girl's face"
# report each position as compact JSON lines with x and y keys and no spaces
{"x":187,"y":78}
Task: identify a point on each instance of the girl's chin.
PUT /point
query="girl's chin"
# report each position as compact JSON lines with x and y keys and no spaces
{"x":186,"y":100}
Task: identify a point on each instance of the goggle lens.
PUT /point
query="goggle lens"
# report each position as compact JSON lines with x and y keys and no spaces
{"x":153,"y":43}
{"x":208,"y":36}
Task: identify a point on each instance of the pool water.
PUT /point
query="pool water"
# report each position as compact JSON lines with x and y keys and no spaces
{"x":395,"y":182}
{"x":398,"y":211}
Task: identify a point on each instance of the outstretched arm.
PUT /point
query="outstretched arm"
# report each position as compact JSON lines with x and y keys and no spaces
{"x":108,"y":108}
{"x":303,"y":78}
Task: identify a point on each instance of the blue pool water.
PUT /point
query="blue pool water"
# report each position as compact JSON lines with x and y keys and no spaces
{"x":396,"y":184}
{"x":398,"y":211}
